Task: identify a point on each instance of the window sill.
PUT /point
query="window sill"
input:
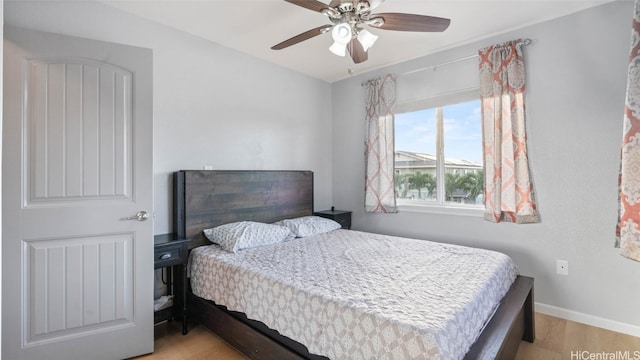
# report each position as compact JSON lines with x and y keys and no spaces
{"x":442,"y":209}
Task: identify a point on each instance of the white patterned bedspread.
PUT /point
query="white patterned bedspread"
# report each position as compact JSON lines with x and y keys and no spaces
{"x":354,"y":295}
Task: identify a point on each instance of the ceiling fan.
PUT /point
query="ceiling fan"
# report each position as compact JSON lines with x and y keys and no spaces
{"x":348,"y":19}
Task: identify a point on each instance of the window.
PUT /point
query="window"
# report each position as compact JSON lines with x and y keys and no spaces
{"x":438,"y":152}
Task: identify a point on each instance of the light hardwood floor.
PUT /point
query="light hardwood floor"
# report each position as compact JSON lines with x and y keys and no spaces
{"x":556,"y":339}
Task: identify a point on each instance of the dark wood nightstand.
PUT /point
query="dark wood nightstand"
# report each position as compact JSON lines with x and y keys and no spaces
{"x":171,"y":252}
{"x":340,"y":216}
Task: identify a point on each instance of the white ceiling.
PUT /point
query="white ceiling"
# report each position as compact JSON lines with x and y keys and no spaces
{"x":253,"y":26}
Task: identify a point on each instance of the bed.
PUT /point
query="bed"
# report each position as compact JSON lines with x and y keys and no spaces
{"x":205,"y":199}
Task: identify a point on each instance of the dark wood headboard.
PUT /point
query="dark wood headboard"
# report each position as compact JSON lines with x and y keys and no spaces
{"x":204,"y":199}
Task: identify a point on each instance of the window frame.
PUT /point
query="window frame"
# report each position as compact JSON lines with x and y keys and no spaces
{"x":440,"y":206}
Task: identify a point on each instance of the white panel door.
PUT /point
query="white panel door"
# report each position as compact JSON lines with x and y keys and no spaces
{"x":77,"y":276}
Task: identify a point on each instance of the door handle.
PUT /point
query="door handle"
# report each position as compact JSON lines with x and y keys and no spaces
{"x":140,"y":216}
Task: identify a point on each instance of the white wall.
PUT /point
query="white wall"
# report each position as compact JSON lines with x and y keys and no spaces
{"x":212,"y":105}
{"x":575,"y":101}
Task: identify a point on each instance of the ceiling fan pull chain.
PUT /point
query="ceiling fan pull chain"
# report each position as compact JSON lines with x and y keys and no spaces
{"x":349,"y":69}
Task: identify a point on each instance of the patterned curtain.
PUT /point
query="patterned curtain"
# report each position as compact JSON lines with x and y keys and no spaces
{"x":628,"y":238}
{"x":509,"y":192}
{"x":379,"y":186}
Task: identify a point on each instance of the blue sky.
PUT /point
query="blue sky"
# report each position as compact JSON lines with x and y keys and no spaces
{"x":416,"y":131}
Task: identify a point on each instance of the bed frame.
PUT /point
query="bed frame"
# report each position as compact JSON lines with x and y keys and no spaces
{"x":204,"y":199}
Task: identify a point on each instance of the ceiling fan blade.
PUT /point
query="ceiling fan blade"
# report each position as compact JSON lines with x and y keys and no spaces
{"x":411,"y":22}
{"x":335,"y":3}
{"x":310,"y":4}
{"x":357,"y":51}
{"x":302,"y":37}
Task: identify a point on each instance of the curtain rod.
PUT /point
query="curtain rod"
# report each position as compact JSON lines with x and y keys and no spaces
{"x":524,"y":42}
{"x":433,"y":67}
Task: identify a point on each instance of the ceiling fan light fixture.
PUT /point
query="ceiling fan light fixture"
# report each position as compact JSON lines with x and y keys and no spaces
{"x":367,"y":39}
{"x":341,"y":34}
{"x":338,"y":49}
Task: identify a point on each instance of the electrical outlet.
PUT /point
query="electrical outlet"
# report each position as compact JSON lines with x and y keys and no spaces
{"x":562,"y":267}
{"x":207,"y":167}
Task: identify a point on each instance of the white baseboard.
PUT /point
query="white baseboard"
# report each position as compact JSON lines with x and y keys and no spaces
{"x":587,"y":319}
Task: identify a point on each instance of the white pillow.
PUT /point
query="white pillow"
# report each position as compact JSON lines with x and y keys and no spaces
{"x":309,"y":225}
{"x":236,"y":236}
